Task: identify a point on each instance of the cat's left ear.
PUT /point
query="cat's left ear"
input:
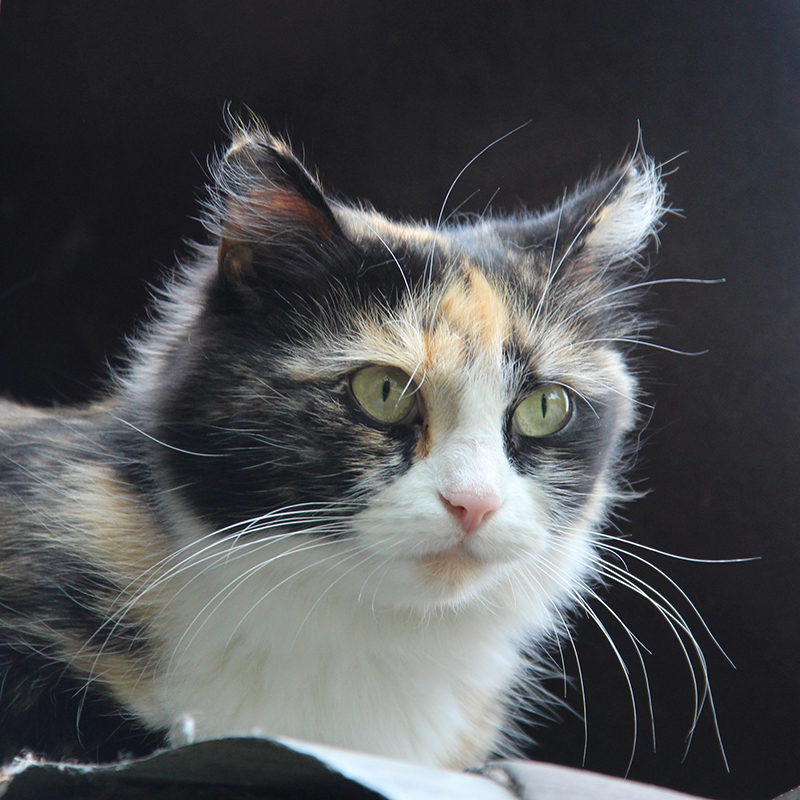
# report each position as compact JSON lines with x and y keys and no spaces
{"x":276,"y":228}
{"x":604,"y":224}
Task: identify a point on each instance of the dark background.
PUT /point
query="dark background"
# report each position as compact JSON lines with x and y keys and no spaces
{"x":108,"y":111}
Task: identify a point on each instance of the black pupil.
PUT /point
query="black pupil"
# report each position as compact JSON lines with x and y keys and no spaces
{"x":387,"y":387}
{"x":544,"y":405}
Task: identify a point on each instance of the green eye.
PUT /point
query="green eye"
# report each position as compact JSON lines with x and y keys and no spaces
{"x":385,"y":393}
{"x":545,"y":411}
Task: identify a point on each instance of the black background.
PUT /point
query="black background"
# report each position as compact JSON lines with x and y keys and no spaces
{"x":108,"y":111}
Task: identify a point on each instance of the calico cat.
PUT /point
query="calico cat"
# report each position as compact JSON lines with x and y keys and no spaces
{"x":353,"y":467}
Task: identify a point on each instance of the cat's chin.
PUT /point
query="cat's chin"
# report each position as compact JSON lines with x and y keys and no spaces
{"x":452,"y":576}
{"x":454,"y":569}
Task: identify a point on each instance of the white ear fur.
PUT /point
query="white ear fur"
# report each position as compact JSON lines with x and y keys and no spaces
{"x":631,"y":215}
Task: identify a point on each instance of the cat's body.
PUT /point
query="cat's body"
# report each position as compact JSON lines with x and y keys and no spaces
{"x":352,"y":470}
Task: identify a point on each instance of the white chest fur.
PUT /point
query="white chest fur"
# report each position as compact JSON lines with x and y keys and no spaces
{"x":271,"y":656}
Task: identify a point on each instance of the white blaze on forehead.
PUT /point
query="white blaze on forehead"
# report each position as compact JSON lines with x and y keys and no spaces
{"x":467,"y":449}
{"x":462,"y":360}
{"x":466,"y":393}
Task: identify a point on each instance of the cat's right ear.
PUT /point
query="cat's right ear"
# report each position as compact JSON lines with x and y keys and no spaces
{"x":600,"y":230}
{"x":277,"y":233}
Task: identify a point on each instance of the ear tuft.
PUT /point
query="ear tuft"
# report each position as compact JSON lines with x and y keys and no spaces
{"x":628,"y":216}
{"x":603,"y":224}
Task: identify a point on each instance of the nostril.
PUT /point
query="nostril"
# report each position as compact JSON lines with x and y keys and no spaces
{"x":471,"y":509}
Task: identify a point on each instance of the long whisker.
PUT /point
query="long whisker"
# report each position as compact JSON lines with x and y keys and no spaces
{"x":343,"y":557}
{"x":666,"y":577}
{"x":643,"y":342}
{"x":676,"y":622}
{"x":220,"y":547}
{"x":212,"y":551}
{"x":677,"y":625}
{"x":604,"y":385}
{"x":428,"y":272}
{"x":667,"y":554}
{"x":625,"y":671}
{"x":400,"y":268}
{"x":223,"y":594}
{"x":632,"y":287}
{"x":165,"y":444}
{"x":470,"y":163}
{"x":581,"y":685}
{"x":552,"y":271}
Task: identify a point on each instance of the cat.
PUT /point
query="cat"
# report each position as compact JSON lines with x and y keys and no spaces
{"x":353,"y":469}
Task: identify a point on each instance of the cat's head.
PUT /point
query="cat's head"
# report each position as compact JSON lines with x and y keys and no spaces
{"x":446,"y":405}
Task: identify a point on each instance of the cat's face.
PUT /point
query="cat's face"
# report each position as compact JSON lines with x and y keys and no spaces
{"x":444,"y":410}
{"x":477,"y":435}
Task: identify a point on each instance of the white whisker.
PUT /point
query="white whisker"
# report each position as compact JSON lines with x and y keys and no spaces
{"x":644,"y":343}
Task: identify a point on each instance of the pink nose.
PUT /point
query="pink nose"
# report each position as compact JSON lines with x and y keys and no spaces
{"x":471,"y":509}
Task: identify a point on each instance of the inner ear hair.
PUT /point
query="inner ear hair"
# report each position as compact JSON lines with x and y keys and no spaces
{"x":269,"y":211}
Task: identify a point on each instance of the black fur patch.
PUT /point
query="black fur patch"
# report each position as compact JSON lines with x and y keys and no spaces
{"x":49,"y":711}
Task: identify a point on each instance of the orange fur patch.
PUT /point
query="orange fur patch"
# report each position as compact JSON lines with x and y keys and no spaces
{"x":125,"y":676}
{"x":474,"y":309}
{"x":120,"y":531}
{"x":423,"y":446}
{"x":453,"y":568}
{"x":257,"y":217}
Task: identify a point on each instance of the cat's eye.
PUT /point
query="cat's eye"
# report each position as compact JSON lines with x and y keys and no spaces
{"x":385,"y":393}
{"x":545,"y":411}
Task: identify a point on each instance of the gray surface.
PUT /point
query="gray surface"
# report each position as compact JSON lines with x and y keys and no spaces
{"x":255,"y":768}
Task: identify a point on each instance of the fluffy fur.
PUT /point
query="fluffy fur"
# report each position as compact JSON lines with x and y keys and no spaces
{"x":230,"y":544}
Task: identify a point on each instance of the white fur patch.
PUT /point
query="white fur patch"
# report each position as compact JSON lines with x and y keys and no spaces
{"x":623,"y":225}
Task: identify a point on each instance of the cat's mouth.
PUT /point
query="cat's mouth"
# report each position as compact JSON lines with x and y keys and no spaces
{"x":453,"y":567}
